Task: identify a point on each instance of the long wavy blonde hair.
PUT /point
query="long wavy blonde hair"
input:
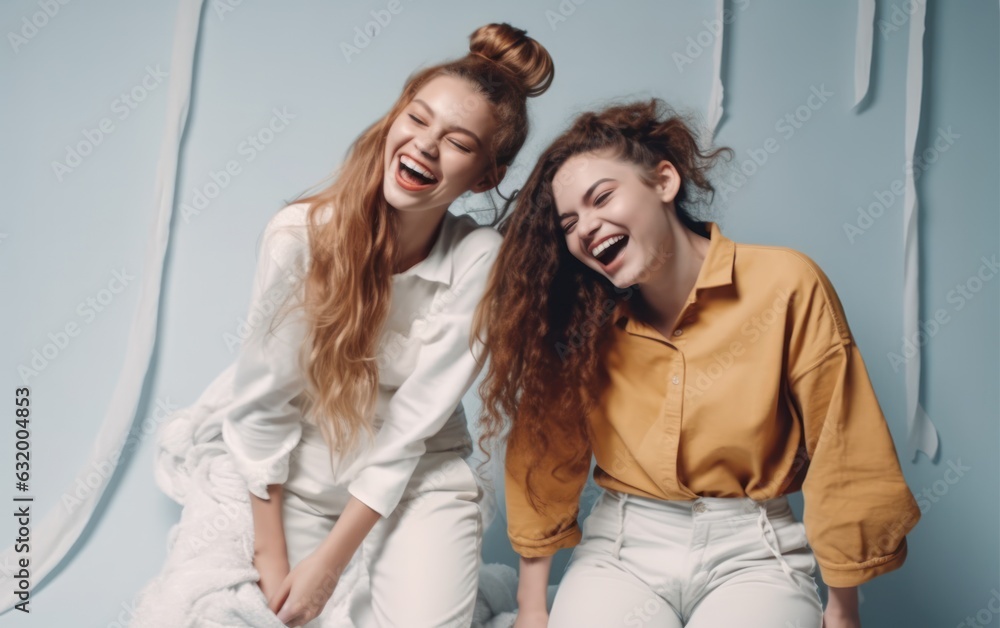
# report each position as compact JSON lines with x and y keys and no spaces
{"x":353,"y":248}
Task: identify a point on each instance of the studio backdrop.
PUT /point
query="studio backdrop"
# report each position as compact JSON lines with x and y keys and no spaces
{"x":146,"y":145}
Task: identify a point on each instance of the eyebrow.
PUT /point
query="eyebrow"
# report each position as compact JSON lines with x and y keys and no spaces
{"x":587,"y":195}
{"x":460,"y":129}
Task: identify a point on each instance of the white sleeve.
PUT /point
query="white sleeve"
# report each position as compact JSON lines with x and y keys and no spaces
{"x":262,"y":426}
{"x":420,"y":407}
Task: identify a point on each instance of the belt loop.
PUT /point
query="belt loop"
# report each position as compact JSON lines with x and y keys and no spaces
{"x":621,"y":525}
{"x":765,"y":525}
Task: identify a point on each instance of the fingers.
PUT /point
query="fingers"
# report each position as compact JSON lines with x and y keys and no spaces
{"x":294,"y":617}
{"x":285,"y":615}
{"x":288,"y":616}
{"x":281,"y":595}
{"x":294,"y":622}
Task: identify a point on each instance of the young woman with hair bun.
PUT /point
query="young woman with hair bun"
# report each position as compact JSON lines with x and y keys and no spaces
{"x":347,"y":422}
{"x":709,"y":379}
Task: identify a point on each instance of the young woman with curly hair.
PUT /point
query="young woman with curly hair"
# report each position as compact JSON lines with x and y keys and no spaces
{"x":709,"y":379}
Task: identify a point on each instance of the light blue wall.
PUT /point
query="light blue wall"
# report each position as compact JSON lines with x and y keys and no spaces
{"x":64,"y":239}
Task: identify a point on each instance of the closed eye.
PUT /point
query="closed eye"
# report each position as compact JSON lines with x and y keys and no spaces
{"x":568,"y":226}
{"x":416,"y":119}
{"x":460,"y":147}
{"x":600,"y":200}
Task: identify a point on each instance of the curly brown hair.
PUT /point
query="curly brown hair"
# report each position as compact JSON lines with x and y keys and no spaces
{"x":544,"y":312}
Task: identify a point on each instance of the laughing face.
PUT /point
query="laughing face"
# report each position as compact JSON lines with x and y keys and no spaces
{"x":613,"y":220}
{"x":438,"y":147}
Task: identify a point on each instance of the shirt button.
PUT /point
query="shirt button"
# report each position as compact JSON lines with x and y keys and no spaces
{"x":676,"y":380}
{"x":699,"y":507}
{"x":678,"y":332}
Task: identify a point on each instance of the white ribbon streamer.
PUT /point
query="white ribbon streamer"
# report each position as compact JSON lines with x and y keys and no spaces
{"x":863,"y":49}
{"x":921,"y":433}
{"x":715,"y":99}
{"x":61,"y":527}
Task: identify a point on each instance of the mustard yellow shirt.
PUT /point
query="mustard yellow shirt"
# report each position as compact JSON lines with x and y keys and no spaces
{"x":758,"y":392}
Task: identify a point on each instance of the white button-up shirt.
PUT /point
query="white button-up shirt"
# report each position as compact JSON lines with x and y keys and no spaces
{"x":425,"y":363}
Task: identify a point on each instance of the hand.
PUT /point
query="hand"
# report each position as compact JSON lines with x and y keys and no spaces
{"x":272,"y":567}
{"x":305,"y":590}
{"x":833,"y":618}
{"x":532,"y":618}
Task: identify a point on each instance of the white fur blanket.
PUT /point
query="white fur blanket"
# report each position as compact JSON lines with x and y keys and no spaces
{"x":209,"y":579}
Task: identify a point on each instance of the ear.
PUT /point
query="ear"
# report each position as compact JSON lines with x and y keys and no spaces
{"x":488,"y":182}
{"x":668,"y":181}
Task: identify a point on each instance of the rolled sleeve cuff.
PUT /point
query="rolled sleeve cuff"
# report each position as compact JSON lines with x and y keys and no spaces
{"x":259,"y":473}
{"x":852,"y":575}
{"x":537,"y":548}
{"x":381,"y":487}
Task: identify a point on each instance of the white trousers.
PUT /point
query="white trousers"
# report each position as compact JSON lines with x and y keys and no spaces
{"x":422,"y":561}
{"x":706,"y":563}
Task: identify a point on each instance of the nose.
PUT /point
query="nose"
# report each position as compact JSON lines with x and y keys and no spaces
{"x":427,"y":147}
{"x":588,"y":224}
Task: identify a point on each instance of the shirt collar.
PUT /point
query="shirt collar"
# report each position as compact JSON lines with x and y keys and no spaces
{"x":716,"y":269}
{"x":437,"y":266}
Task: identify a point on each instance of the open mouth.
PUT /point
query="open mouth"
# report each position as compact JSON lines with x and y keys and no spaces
{"x":412,"y":175}
{"x":609,"y":250}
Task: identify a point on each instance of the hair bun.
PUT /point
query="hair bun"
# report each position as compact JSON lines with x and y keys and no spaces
{"x":519,"y":54}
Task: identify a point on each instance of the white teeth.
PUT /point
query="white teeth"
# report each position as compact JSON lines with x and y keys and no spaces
{"x":603,"y":246}
{"x":412,"y":165}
